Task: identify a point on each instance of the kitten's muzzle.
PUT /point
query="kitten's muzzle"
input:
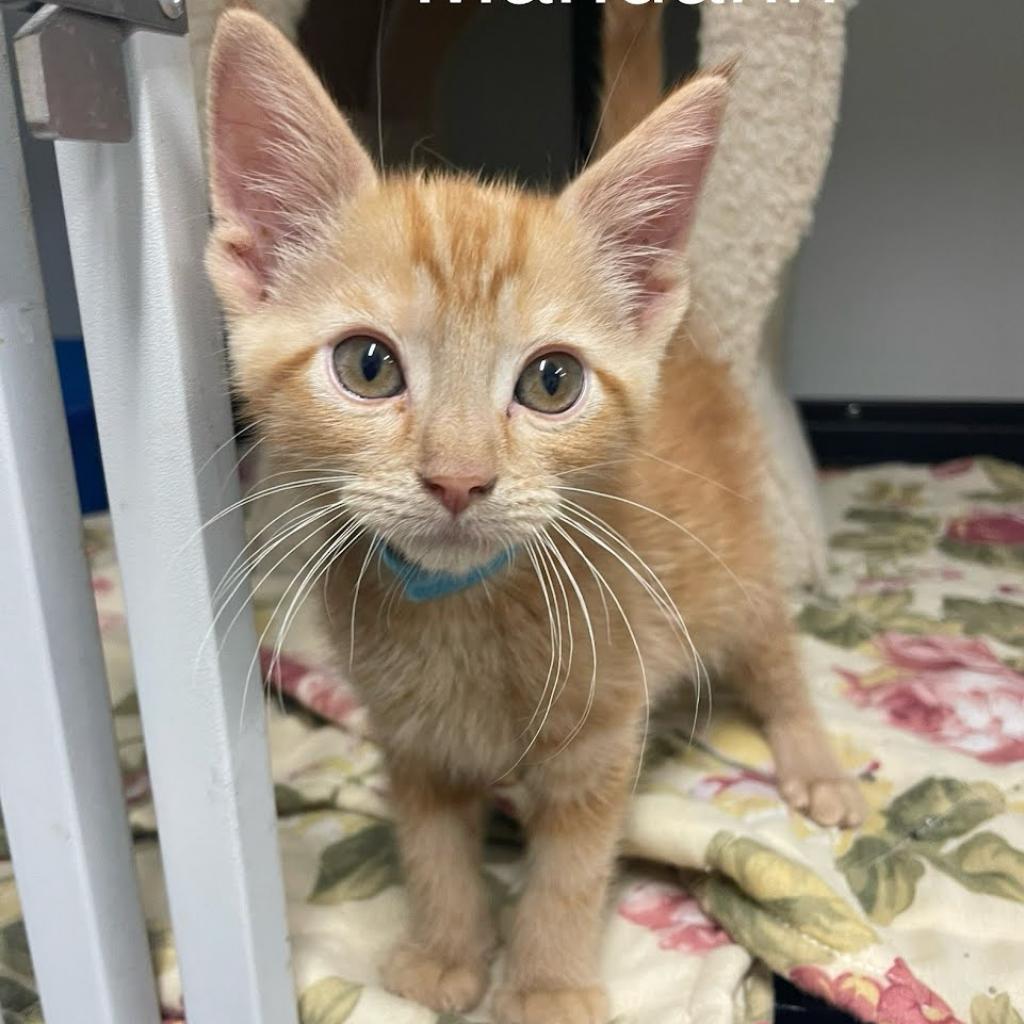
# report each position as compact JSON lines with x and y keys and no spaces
{"x":457,"y":493}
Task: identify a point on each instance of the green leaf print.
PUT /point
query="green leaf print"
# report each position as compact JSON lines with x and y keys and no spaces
{"x":287,"y":800}
{"x":891,"y":533}
{"x":127,"y":705}
{"x":892,"y":519}
{"x":357,"y":867}
{"x":778,"y":907}
{"x":888,"y":492}
{"x":994,"y":1010}
{"x":987,"y":863}
{"x":1003,"y":620}
{"x":162,"y":952}
{"x":329,"y":1001}
{"x":883,"y":868}
{"x":17,"y":1000}
{"x":1001,"y":556}
{"x":841,"y":625}
{"x":754,"y":927}
{"x":882,"y":876}
{"x":1007,"y":478}
{"x":883,"y":544}
{"x":860,"y":616}
{"x":757,"y":996}
{"x":290,"y":801}
{"x":14,"y":954}
{"x":936,"y":809}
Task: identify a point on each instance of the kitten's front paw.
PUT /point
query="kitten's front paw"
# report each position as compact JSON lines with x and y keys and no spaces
{"x":558,"y":1006}
{"x":445,"y":987}
{"x":828,"y":801}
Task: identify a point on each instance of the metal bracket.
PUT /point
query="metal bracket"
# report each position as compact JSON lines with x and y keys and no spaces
{"x":71,"y":67}
{"x":158,"y":15}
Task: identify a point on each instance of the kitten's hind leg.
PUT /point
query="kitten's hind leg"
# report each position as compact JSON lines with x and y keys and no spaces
{"x":766,"y":677}
{"x":444,"y":962}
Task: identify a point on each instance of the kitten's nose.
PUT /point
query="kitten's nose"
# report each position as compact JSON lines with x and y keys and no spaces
{"x":457,"y":493}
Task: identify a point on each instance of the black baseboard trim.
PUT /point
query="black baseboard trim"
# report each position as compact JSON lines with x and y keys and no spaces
{"x":855,"y":432}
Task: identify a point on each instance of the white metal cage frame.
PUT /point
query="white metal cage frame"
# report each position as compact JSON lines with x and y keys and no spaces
{"x":137,"y":218}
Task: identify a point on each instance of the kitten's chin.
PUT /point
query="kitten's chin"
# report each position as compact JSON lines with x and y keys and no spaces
{"x":455,"y":557}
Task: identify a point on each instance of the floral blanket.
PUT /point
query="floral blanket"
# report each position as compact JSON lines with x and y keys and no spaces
{"x":916,"y":655}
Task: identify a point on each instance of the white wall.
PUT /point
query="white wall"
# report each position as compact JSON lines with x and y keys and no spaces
{"x":912,"y":282}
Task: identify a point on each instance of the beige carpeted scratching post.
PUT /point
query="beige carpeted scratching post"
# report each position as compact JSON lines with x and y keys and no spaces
{"x":757,"y":206}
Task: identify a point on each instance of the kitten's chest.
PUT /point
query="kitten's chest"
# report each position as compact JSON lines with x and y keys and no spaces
{"x":461,"y":680}
{"x":499,"y":675}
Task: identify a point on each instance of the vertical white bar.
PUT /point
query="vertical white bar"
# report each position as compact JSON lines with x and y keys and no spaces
{"x":59,"y":775}
{"x":137,"y":221}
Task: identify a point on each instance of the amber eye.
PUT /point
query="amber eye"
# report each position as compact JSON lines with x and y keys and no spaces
{"x":367,"y":367}
{"x":551,"y":384}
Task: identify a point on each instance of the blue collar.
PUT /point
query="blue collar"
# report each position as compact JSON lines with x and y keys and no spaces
{"x":426,"y":584}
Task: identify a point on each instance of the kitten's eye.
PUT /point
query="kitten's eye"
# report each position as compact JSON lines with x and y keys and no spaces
{"x":551,"y":384}
{"x":367,"y":367}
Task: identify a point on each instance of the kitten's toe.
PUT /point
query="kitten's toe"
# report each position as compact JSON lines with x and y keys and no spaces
{"x":430,"y":981}
{"x":558,"y":1006}
{"x":835,"y":801}
{"x":796,"y":793}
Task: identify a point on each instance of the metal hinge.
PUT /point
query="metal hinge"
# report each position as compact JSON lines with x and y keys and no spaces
{"x":159,"y":15}
{"x":71,"y":68}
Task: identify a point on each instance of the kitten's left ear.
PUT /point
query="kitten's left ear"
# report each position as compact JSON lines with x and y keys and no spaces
{"x":639,"y":199}
{"x":282,"y":157}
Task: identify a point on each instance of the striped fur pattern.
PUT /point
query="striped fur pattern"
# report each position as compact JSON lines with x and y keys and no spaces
{"x":643,"y":565}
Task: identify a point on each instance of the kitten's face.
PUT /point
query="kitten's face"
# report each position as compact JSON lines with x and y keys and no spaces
{"x":458,"y":354}
{"x":447,"y":332}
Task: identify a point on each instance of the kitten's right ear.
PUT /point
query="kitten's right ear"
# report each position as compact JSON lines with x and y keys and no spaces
{"x":281,"y":157}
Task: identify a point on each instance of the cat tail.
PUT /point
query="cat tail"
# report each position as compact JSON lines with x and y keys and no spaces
{"x":632,"y":57}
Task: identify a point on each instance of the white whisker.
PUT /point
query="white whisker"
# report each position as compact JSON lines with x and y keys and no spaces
{"x":224,"y":602}
{"x":256,"y":496}
{"x":602,"y":582}
{"x":335,"y":550}
{"x":654,"y":588}
{"x":537,"y":557}
{"x":300,"y":575}
{"x":234,"y":437}
{"x":305,"y":540}
{"x":374,"y":544}
{"x":660,"y":515}
{"x":591,"y":693}
{"x":246,"y":560}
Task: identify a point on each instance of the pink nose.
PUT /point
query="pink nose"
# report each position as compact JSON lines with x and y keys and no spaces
{"x":457,"y":493}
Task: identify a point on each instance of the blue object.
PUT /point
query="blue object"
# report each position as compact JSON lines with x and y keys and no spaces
{"x":426,"y":585}
{"x":81,"y":419}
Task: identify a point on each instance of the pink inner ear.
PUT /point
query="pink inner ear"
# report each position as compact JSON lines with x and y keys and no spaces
{"x":642,"y":196}
{"x":236,"y":155}
{"x":663,"y":205}
{"x":664,"y":217}
{"x":281,"y":154}
{"x":264,"y":174}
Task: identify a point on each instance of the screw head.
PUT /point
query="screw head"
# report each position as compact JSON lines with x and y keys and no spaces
{"x":174,"y":9}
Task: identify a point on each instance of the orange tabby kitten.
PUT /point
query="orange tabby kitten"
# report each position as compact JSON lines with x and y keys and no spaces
{"x":534,"y":495}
